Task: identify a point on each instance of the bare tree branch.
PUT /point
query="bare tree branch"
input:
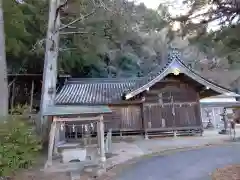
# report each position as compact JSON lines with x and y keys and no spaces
{"x":70,"y":27}
{"x":10,"y":84}
{"x":66,"y":49}
{"x":100,"y":4}
{"x":37,"y":44}
{"x":81,"y":18}
{"x":77,"y":32}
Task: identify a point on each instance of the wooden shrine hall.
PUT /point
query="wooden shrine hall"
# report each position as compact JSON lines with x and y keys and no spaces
{"x":166,"y":100}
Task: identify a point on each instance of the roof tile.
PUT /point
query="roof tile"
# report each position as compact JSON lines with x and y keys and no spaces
{"x":94,"y":91}
{"x":107,"y":91}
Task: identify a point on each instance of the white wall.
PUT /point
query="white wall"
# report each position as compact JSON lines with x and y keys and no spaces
{"x":215,"y":111}
{"x":218,"y":99}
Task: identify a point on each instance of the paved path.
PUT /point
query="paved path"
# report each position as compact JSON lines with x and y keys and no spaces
{"x":126,"y":151}
{"x":191,"y":165}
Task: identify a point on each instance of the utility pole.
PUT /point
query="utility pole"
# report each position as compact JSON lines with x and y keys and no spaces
{"x":50,"y":61}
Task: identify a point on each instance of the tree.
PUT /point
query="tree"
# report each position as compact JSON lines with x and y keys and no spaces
{"x":115,"y":33}
{"x":25,"y":24}
{"x":86,"y":44}
{"x":222,"y":11}
{"x":3,"y":68}
{"x":224,"y":41}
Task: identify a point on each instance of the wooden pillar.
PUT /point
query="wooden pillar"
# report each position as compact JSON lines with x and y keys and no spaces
{"x":51,"y":143}
{"x":100,"y":133}
{"x":199,"y":115}
{"x":56,"y":139}
{"x":146,"y":122}
{"x":110,"y":140}
{"x":13,"y":96}
{"x":31,"y":97}
{"x":142,"y":119}
{"x":214,"y":117}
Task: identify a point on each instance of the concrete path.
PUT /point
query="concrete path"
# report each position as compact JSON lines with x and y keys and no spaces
{"x":125,"y":151}
{"x":190,"y":165}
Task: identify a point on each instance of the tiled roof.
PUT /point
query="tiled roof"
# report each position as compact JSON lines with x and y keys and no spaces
{"x":104,"y":91}
{"x":174,"y":61}
{"x":111,"y":91}
{"x":94,"y":91}
{"x":172,"y":56}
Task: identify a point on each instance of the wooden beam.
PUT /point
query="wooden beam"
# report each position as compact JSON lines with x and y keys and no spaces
{"x":51,"y":143}
{"x":140,"y":101}
{"x":61,"y":119}
{"x":170,"y":103}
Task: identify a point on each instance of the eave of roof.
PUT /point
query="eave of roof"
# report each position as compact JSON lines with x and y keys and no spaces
{"x":175,"y":63}
{"x":220,"y":104}
{"x":58,"y":110}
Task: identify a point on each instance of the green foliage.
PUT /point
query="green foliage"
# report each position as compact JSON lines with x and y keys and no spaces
{"x":110,"y":33}
{"x":19,"y":146}
{"x":111,"y":36}
{"x":224,"y":44}
{"x":222,"y":16}
{"x":24,"y":24}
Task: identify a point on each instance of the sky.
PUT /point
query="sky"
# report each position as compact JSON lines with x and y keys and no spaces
{"x":175,"y":6}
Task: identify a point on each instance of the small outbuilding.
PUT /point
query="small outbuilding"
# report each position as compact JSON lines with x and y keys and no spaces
{"x":60,"y":116}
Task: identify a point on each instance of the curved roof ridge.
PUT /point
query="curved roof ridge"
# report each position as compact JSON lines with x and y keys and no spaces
{"x":174,"y":61}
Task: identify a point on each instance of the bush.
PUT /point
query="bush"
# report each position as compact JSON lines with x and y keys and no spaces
{"x":19,"y":145}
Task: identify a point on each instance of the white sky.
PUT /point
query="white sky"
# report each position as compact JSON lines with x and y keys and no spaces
{"x":175,"y":7}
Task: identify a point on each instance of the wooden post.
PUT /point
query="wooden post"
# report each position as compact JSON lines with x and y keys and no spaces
{"x":232,"y":128}
{"x":51,"y":143}
{"x":13,"y":96}
{"x":148,"y":125}
{"x":31,"y":97}
{"x":57,"y":138}
{"x":101,"y":139}
{"x":175,"y":133}
{"x":174,"y":118}
{"x":110,"y":141}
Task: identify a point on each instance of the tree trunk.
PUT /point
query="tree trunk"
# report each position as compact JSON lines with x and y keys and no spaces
{"x":3,"y":68}
{"x":50,"y":61}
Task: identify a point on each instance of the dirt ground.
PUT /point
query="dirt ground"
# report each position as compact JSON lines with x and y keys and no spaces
{"x":231,"y":172}
{"x":36,"y":173}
